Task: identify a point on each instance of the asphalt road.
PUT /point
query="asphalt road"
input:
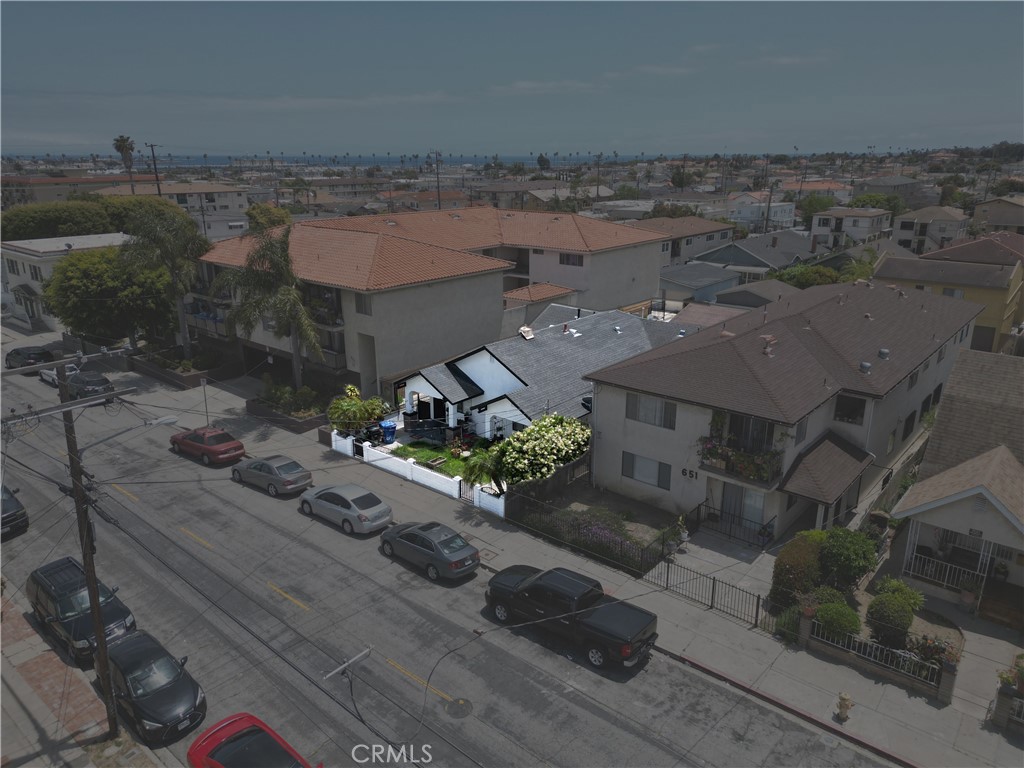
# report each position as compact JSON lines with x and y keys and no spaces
{"x":265,"y":602}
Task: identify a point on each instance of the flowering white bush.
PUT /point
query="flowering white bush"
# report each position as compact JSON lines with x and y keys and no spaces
{"x":535,"y":451}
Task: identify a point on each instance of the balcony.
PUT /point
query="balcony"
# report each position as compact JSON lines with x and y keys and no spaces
{"x":209,"y":324}
{"x":333,"y":360}
{"x":759,"y":466}
{"x":327,"y":319}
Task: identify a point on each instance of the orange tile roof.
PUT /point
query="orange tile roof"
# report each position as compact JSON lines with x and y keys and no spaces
{"x":361,"y":261}
{"x":538,"y":292}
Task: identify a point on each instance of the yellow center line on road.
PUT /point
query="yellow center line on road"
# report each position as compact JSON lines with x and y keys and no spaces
{"x":418,"y":679}
{"x":202,"y":541}
{"x":286,"y":596}
{"x":129,"y":494}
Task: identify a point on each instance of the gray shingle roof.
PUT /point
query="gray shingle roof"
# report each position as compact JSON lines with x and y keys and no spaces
{"x":997,"y":248}
{"x":697,"y":274}
{"x":950,"y":272}
{"x":756,"y":294}
{"x":782,"y":363}
{"x":789,"y":247}
{"x":825,"y":470}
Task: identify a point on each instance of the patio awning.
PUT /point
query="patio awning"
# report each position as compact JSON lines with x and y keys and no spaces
{"x":826,"y":470}
{"x":25,"y":289}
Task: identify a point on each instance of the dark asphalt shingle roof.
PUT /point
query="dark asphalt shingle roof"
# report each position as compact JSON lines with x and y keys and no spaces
{"x":997,"y":248}
{"x":950,"y":272}
{"x":789,"y":247}
{"x":697,"y":274}
{"x":757,"y":293}
{"x":823,"y":472}
{"x":782,"y":363}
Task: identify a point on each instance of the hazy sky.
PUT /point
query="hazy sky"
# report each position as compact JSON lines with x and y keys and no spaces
{"x":510,"y":77}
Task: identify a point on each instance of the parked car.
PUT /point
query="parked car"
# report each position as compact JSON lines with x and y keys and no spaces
{"x":15,"y":518}
{"x":89,"y":384}
{"x":354,"y":508}
{"x":50,"y":375}
{"x":60,"y":602}
{"x":575,"y":607}
{"x":152,"y":690}
{"x":211,"y":444}
{"x":278,"y":474}
{"x":22,"y":356}
{"x":243,"y":741}
{"x":438,"y":549}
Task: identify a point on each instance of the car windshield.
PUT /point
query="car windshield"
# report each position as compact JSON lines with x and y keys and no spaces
{"x":153,"y":675}
{"x":253,"y":748}
{"x":75,"y":605}
{"x":219,"y":439}
{"x":7,"y":494}
{"x":453,"y":544}
{"x":366,"y":501}
{"x":289,"y":468}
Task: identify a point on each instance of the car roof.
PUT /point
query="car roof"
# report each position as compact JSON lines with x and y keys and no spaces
{"x":64,"y":576}
{"x":435,"y":531}
{"x":134,"y":647}
{"x":350,"y":489}
{"x":30,"y":349}
{"x":91,"y":375}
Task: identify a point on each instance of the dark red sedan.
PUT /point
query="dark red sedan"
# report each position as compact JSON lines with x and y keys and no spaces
{"x":210,"y":444}
{"x":243,"y":741}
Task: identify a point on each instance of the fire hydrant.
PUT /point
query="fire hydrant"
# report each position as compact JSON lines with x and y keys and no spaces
{"x":843,"y":707}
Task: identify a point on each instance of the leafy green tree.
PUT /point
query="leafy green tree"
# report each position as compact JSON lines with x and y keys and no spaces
{"x":41,"y":220}
{"x":813,"y":204}
{"x":846,"y":556}
{"x":267,"y":285}
{"x":121,"y":210}
{"x":263,"y":217}
{"x":125,"y":147}
{"x":171,"y":241}
{"x":890,"y":616}
{"x":681,"y":179}
{"x":626,"y":192}
{"x":485,"y":465}
{"x":548,"y":442}
{"x":805,"y":275}
{"x":1004,"y":187}
{"x":96,"y":296}
{"x":351,"y":412}
{"x":887,"y":585}
{"x":892,"y":203}
{"x":797,"y":568}
{"x":671,"y":211}
{"x":542,"y":162}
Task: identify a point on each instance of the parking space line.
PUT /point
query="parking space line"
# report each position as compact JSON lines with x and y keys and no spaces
{"x":202,"y":541}
{"x":418,"y":679}
{"x":129,"y":494}
{"x":286,"y":596}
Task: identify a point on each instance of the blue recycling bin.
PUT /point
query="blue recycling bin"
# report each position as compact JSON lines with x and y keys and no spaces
{"x":388,"y":428}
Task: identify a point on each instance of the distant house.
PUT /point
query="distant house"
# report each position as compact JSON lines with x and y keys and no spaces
{"x":28,"y":263}
{"x":761,"y":211}
{"x":839,"y":227}
{"x":756,"y":295}
{"x":502,"y":387}
{"x":929,"y":229}
{"x":1002,"y":247}
{"x":777,"y":420}
{"x":866,"y":252}
{"x":690,"y":235}
{"x":24,"y":190}
{"x":837,"y":190}
{"x":697,"y":281}
{"x":531,"y":300}
{"x":755,"y":257}
{"x":217,"y":209}
{"x":903,"y":186}
{"x":426,"y":200}
{"x":1001,"y":214}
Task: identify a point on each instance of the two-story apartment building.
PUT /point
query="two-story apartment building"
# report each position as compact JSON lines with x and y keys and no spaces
{"x":836,"y":190}
{"x":1001,"y":214}
{"x":776,"y":419}
{"x":839,"y":227}
{"x":930,"y":228}
{"x":690,"y":235}
{"x":27,"y":263}
{"x":761,"y":211}
{"x":217,"y":209}
{"x":903,"y":186}
{"x":24,"y":190}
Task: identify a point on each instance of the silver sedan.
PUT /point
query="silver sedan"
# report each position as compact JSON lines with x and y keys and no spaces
{"x":277,"y":474}
{"x":434,"y":547}
{"x":354,"y":508}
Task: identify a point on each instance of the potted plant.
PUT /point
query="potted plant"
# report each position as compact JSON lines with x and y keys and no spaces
{"x":1001,"y":571}
{"x":808,"y":605}
{"x":969,"y":588}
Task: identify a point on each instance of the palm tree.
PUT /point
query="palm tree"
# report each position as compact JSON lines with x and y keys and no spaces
{"x":485,"y":465}
{"x":169,"y":239}
{"x":267,"y":285}
{"x":125,"y":147}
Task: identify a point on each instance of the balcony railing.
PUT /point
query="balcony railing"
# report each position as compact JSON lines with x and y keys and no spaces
{"x":327,"y":318}
{"x":944,"y":574}
{"x":760,"y":466}
{"x":209,"y":324}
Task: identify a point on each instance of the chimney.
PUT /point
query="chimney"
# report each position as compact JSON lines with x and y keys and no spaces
{"x":775,"y":241}
{"x":565,"y":327}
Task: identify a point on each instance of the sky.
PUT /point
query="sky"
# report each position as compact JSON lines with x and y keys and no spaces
{"x":509,"y":78}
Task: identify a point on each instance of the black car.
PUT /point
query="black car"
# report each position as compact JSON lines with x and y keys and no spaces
{"x":88,"y":384}
{"x":22,"y":356}
{"x":152,"y":689}
{"x":15,"y":518}
{"x":60,"y":603}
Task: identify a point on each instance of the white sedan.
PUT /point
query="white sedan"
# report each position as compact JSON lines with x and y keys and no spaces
{"x":50,"y":376}
{"x":354,"y":508}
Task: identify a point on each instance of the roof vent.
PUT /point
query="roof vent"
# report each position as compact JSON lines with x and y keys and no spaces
{"x":865,"y":368}
{"x":617,"y":329}
{"x":526,"y":332}
{"x":726,"y":334}
{"x":867,"y":316}
{"x":883,"y":354}
{"x":565,"y":327}
{"x":390,"y":222}
{"x":682,"y":332}
{"x":575,"y":333}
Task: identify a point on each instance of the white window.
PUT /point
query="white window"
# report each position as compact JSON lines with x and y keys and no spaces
{"x":364,"y":305}
{"x":942,"y":353}
{"x":646,"y":470}
{"x":710,"y":238}
{"x":824,"y":221}
{"x":891,"y":443}
{"x":12,"y":267}
{"x":913,"y":380}
{"x":236,"y":225}
{"x":723,"y":236}
{"x":36,"y":272}
{"x":650,"y":410}
{"x":665,"y":247}
{"x":689,"y":241}
{"x":570,"y":259}
{"x":956,"y":293}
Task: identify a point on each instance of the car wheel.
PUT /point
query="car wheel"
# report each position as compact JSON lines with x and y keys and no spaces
{"x":387,"y":549}
{"x":346,"y":526}
{"x":206,"y":459}
{"x":597,"y":657}
{"x":502,"y":613}
{"x":236,"y":475}
{"x":432,"y":573}
{"x":175,"y":447}
{"x":307,"y":508}
{"x":271,"y":489}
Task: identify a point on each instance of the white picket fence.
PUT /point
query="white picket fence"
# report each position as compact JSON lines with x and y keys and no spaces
{"x":416,"y":473}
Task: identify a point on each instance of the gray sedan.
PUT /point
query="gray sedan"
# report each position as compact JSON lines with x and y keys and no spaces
{"x":432,"y":546}
{"x":354,"y":508}
{"x":277,"y":474}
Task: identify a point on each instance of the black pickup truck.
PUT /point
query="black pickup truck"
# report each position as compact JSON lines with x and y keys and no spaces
{"x":576,"y":607}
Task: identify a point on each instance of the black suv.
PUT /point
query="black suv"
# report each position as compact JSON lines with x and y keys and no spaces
{"x":88,"y":384}
{"x":15,"y":518}
{"x":22,"y":356}
{"x":60,"y":602}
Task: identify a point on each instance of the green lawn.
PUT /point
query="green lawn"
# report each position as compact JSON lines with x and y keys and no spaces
{"x":424,"y":452}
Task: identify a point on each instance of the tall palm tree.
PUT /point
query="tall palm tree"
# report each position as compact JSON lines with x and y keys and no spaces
{"x":168,"y":239}
{"x":125,"y":147}
{"x":267,"y":285}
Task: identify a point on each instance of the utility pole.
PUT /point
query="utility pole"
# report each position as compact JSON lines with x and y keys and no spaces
{"x":156,"y":172}
{"x":768,"y":210}
{"x":85,"y":534}
{"x":437,"y":175}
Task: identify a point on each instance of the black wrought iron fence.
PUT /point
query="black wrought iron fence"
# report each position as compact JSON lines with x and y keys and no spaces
{"x":752,"y":532}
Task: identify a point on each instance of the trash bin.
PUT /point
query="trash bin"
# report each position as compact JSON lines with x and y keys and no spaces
{"x":388,"y":428}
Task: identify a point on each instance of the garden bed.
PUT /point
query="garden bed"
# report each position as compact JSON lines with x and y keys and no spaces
{"x":437,"y":457}
{"x":296,"y":424}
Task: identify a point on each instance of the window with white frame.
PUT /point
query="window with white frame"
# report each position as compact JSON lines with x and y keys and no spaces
{"x":570,"y":259}
{"x":666,"y":247}
{"x":35,"y":272}
{"x":364,"y":304}
{"x":824,"y":221}
{"x":956,"y":293}
{"x":710,"y":238}
{"x":723,"y":236}
{"x":645,"y":470}
{"x":689,"y":241}
{"x":12,"y":267}
{"x":650,"y":410}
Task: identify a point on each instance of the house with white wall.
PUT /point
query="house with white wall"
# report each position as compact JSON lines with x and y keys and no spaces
{"x":776,"y":419}
{"x":690,"y":236}
{"x":839,"y":227}
{"x":761,"y":211}
{"x":929,"y":229}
